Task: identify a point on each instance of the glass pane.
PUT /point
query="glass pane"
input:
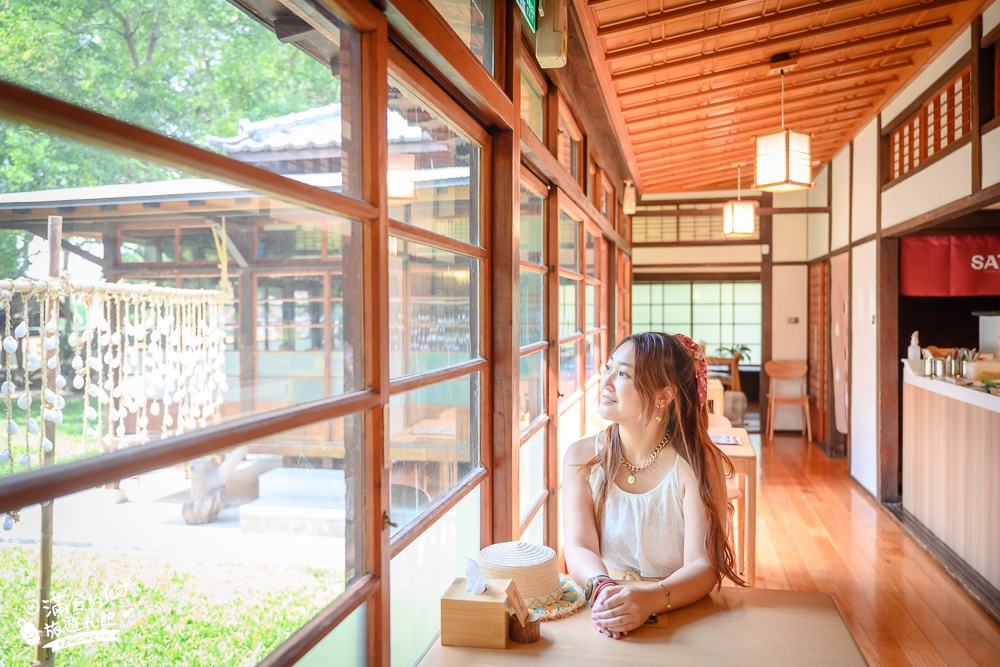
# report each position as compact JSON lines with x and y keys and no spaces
{"x":532,"y":227}
{"x":706,"y":314}
{"x":569,"y":317}
{"x":433,"y":443}
{"x":640,"y":293}
{"x":473,"y":21}
{"x":678,"y":293}
{"x":198,"y":245}
{"x":184,"y":578}
{"x":591,"y":310}
{"x":569,"y":242}
{"x":433,"y":308}
{"x":423,"y":571}
{"x":205,"y":73}
{"x":173,"y":357}
{"x":532,"y":379}
{"x":147,"y":246}
{"x":435,"y":171}
{"x":590,"y":254}
{"x":746,"y":292}
{"x":532,"y":105}
{"x":532,"y":474}
{"x":569,"y":147}
{"x":570,"y":429}
{"x":590,"y":353}
{"x":569,"y":363}
{"x":532,"y":307}
{"x":535,"y":532}
{"x":289,"y":242}
{"x":705,"y":292}
{"x":345,"y":646}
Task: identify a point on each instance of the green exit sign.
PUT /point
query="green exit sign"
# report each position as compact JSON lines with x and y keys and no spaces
{"x":530,"y":10}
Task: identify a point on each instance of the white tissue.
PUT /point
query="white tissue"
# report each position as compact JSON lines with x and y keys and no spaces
{"x":475,"y":583}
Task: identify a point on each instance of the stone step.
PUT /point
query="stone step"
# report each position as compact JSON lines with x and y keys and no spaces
{"x":283,"y":516}
{"x":302,"y":484}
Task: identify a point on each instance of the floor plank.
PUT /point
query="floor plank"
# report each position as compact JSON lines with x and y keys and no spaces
{"x":818,"y":530}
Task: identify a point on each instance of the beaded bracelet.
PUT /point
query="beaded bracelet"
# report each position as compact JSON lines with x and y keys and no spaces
{"x":665,"y":590}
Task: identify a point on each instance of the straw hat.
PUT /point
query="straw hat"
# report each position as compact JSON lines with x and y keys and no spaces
{"x":534,"y":570}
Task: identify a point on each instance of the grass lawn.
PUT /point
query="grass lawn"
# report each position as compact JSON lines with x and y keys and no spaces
{"x":169,"y":614}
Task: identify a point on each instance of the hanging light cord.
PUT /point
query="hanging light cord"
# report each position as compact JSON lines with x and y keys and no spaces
{"x":782,"y":99}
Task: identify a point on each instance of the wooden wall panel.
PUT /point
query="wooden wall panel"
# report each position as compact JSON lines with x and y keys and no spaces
{"x":951,"y":464}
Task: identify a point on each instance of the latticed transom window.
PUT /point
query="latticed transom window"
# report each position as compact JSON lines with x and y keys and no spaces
{"x":941,"y":121}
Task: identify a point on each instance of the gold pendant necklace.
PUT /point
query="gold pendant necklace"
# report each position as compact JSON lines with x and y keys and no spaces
{"x":633,"y":469}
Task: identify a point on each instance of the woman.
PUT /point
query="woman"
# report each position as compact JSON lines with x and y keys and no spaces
{"x":646,"y":500}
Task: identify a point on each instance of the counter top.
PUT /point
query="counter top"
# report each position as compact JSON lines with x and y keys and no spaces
{"x":975,"y":397}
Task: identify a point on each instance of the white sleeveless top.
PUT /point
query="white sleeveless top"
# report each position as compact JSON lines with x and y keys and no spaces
{"x":643,"y":532}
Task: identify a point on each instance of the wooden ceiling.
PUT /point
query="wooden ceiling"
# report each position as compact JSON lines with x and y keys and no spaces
{"x":692,"y":82}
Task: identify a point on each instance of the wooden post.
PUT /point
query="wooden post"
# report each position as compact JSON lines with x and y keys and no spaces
{"x":44,"y":656}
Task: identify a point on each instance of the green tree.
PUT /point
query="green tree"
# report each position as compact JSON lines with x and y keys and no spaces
{"x":179,"y":68}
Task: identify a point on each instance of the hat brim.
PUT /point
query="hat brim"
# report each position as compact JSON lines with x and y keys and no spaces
{"x":569,"y":602}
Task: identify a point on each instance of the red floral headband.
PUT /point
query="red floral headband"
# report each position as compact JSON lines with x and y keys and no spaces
{"x":700,"y":367}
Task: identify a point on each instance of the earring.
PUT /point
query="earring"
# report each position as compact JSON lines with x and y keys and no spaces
{"x":659,"y":418}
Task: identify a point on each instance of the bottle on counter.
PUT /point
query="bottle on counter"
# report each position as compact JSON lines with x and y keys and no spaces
{"x":913,"y":351}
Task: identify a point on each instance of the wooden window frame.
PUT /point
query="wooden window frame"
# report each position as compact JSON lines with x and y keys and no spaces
{"x":531,"y":70}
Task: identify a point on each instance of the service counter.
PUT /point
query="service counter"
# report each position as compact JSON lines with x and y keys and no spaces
{"x":951,"y":467}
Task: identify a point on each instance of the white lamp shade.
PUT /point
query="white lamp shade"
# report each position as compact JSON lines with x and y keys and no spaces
{"x":783,"y":162}
{"x":739,"y":217}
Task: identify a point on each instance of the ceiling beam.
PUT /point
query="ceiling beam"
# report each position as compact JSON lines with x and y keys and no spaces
{"x":668,"y":15}
{"x":773,"y":46}
{"x":868,"y":76}
{"x":794,"y":75}
{"x":747,"y":115}
{"x":846,"y":24}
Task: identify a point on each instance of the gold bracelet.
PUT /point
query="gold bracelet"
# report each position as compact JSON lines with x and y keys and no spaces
{"x":665,"y":590}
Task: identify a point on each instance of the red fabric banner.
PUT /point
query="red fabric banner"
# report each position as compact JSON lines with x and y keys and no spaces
{"x":949,"y":266}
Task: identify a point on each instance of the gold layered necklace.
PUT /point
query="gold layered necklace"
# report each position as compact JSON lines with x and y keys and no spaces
{"x":633,"y":469}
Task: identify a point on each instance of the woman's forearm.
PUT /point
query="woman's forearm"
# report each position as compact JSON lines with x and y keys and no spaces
{"x":687,"y":585}
{"x":583,"y":563}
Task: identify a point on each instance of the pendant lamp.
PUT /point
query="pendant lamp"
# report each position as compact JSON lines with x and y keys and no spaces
{"x":783,"y":163}
{"x":739,"y":217}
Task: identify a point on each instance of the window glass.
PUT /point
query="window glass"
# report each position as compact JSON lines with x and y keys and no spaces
{"x":198,"y":245}
{"x":533,"y":105}
{"x":283,"y":241}
{"x":535,"y":532}
{"x":215,"y":77}
{"x":435,"y":171}
{"x":532,"y":307}
{"x":433,"y":443}
{"x":290,"y":537}
{"x":569,"y":242}
{"x":569,"y":363}
{"x":570,"y":141}
{"x":532,"y":227}
{"x":569,"y":317}
{"x":345,"y":646}
{"x":433,"y":307}
{"x":532,"y":378}
{"x":591,"y":311}
{"x":177,"y":353}
{"x":421,"y":573}
{"x":570,"y":429}
{"x":532,"y":472}
{"x":590,"y":251}
{"x":473,"y":21}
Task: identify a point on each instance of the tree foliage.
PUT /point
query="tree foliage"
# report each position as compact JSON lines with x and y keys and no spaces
{"x":184,"y":68}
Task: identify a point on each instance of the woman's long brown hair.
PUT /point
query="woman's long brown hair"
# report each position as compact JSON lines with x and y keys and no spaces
{"x":660,"y":361}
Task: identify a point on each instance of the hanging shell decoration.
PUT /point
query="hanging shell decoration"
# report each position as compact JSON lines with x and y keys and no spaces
{"x":148,"y":362}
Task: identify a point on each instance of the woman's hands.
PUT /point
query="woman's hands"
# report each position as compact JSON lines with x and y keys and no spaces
{"x":618,"y":609}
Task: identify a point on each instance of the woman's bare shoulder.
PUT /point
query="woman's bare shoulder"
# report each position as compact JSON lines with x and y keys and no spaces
{"x":583,"y":450}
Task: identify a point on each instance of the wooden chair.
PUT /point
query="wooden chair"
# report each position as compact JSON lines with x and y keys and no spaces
{"x":730,"y":377}
{"x":787,"y":370}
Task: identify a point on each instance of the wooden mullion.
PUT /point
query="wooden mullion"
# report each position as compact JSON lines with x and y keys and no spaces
{"x":427,"y":378}
{"x":552,"y":472}
{"x":426,"y":237}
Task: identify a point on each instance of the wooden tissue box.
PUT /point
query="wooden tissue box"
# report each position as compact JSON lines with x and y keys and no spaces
{"x":479,"y":621}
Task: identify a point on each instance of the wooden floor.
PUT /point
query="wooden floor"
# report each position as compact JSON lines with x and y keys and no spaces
{"x":818,"y":530}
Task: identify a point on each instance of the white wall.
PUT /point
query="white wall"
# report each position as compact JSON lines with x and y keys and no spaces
{"x":863,"y":395}
{"x":919,"y":85}
{"x":991,"y":157}
{"x":991,"y":18}
{"x":840,"y":199}
{"x":696,"y":255}
{"x":944,"y":181}
{"x":790,"y":302}
{"x":789,"y":237}
{"x":864,"y":182}
{"x":818,"y":224}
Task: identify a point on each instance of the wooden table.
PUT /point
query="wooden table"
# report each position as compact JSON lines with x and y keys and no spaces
{"x":716,"y":396}
{"x":744,"y":460}
{"x":733,"y":626}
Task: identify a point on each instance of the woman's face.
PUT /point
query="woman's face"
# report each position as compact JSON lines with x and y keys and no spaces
{"x":620,"y":401}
